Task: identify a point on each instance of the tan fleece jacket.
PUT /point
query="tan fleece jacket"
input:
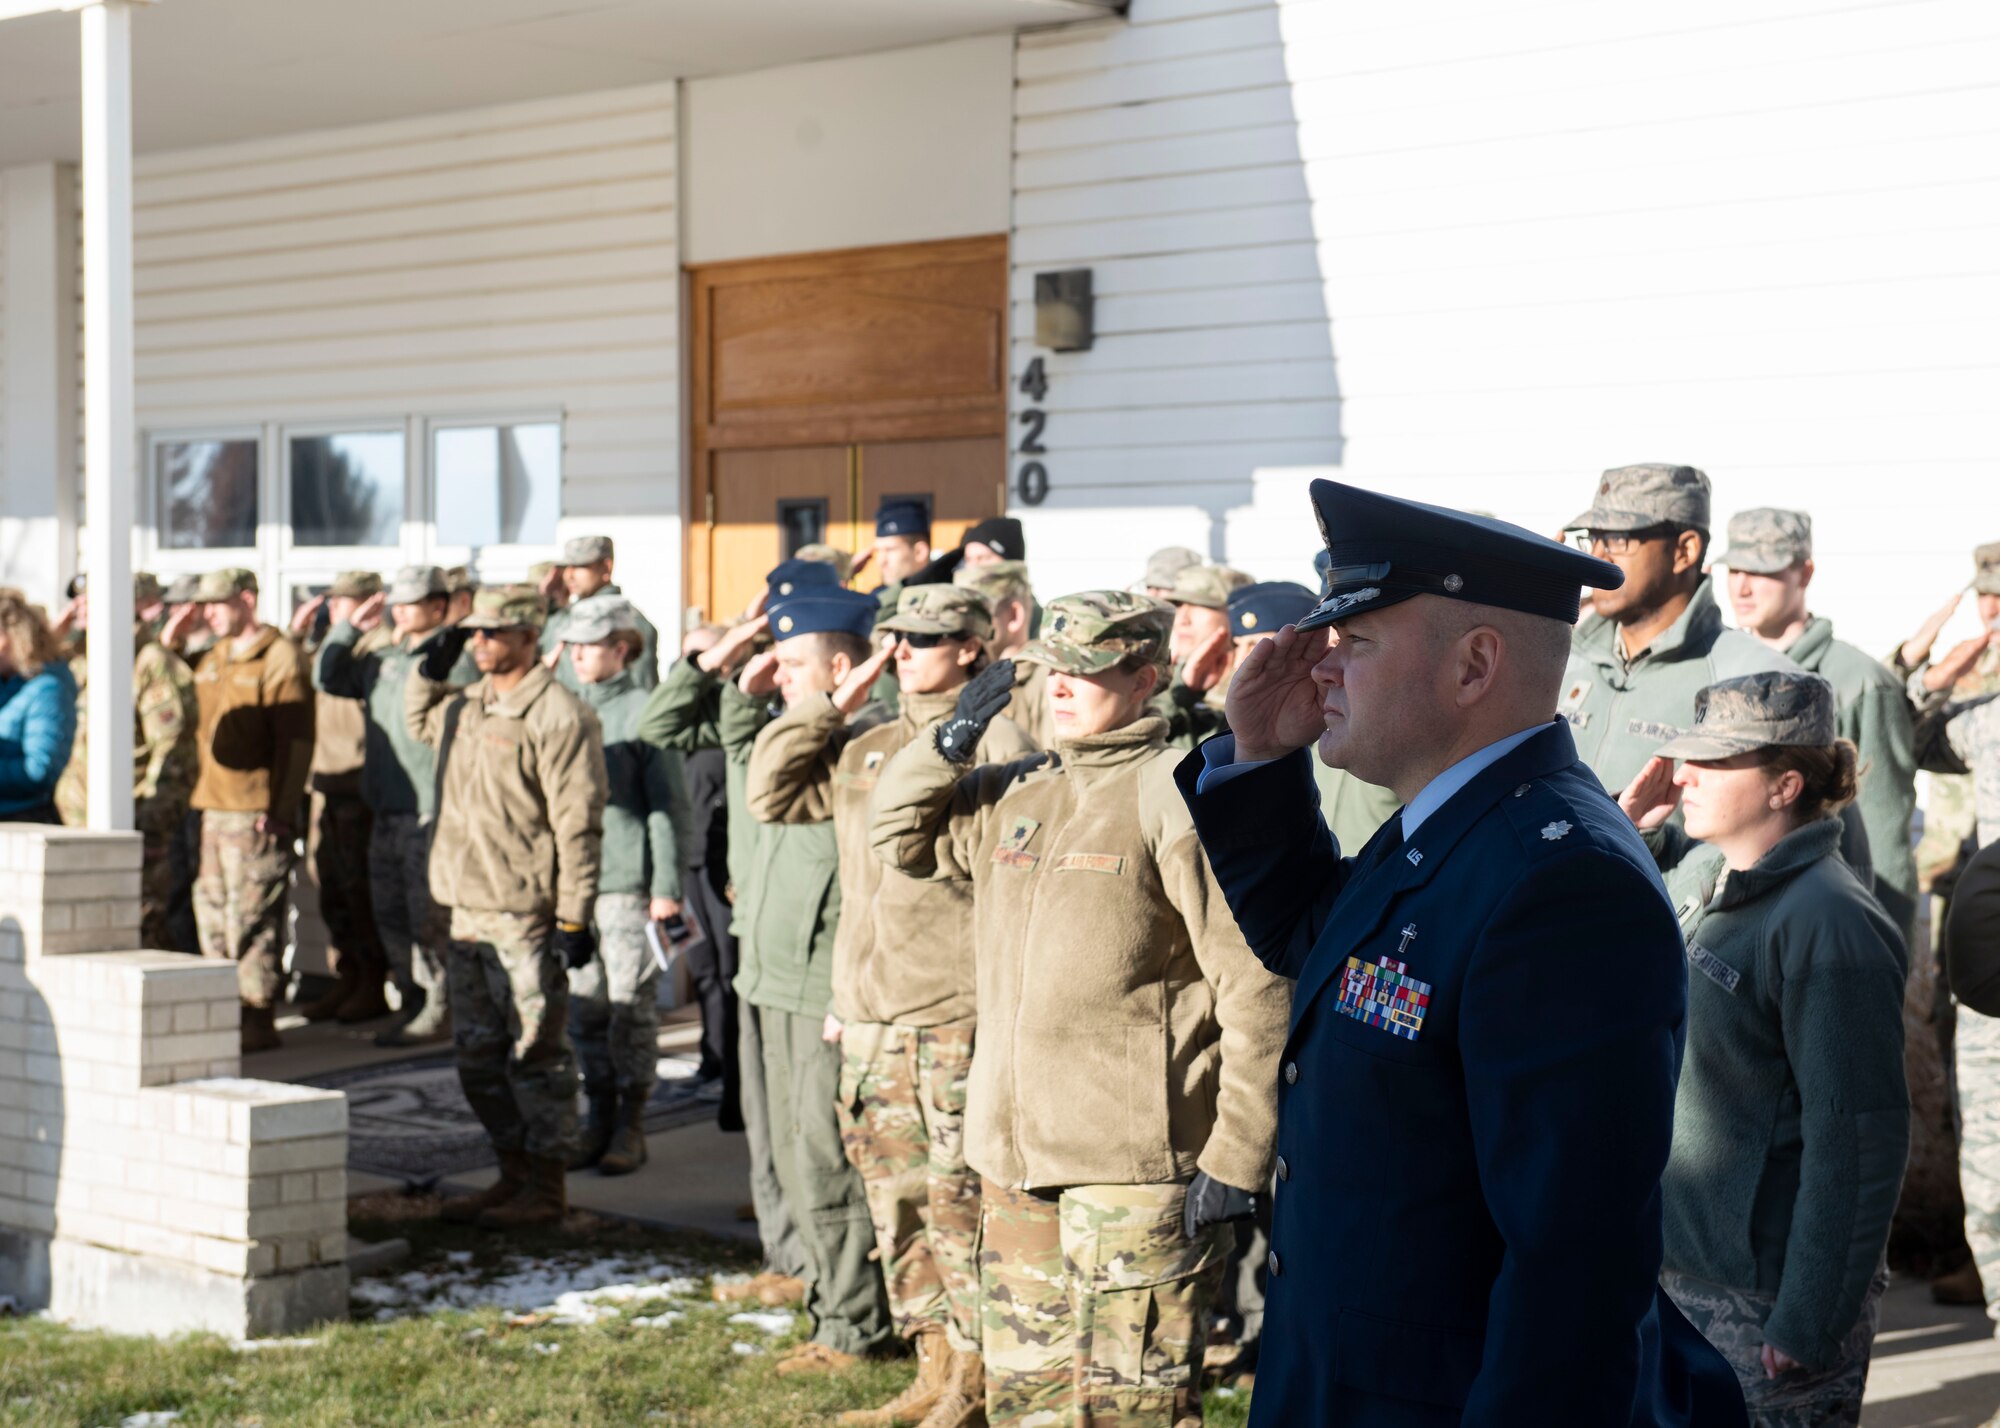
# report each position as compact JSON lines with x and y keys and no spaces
{"x":254,"y":727}
{"x":1127,"y":1036}
{"x":520,"y":820}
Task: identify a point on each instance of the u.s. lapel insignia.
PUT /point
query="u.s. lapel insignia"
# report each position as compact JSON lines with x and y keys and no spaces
{"x":1013,"y":851}
{"x":1556,"y":830}
{"x":1415,"y":857}
{"x":1384,"y":995}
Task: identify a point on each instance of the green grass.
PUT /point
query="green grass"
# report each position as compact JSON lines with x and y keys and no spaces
{"x":456,"y":1367}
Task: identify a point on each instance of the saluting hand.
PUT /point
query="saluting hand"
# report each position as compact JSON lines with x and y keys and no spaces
{"x":1203,"y":669}
{"x":734,"y":646}
{"x":368,"y":614}
{"x":1273,"y":705}
{"x":760,"y":676}
{"x":1652,"y":796}
{"x":302,"y":617}
{"x":860,"y":682}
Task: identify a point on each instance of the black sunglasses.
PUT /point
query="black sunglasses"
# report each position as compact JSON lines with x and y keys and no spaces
{"x":922,"y":641}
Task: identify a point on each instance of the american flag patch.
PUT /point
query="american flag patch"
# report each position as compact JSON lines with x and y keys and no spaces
{"x":1384,"y":994}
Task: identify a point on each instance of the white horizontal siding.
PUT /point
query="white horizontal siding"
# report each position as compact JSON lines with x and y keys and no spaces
{"x":514,"y":261}
{"x":1476,"y":252}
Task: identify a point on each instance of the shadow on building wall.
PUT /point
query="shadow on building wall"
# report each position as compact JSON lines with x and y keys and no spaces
{"x":31,"y":1127}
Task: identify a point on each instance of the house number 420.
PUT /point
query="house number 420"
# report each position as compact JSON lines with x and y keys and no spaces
{"x":1031,"y":481}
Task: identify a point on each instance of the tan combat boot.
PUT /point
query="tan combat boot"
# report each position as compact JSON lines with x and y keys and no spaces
{"x":780,"y":1291}
{"x":464,"y":1209}
{"x":934,"y":1360}
{"x":627,"y":1150}
{"x":814,"y":1358}
{"x":963,"y":1402}
{"x":543,"y":1198}
{"x":259,"y":1030}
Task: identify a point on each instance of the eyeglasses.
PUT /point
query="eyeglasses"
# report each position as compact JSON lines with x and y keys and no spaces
{"x":1617,"y":542}
{"x":923,"y":641}
{"x":486,"y":634}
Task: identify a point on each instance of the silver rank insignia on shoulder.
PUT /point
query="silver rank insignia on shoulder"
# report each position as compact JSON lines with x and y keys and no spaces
{"x":1555,"y":831}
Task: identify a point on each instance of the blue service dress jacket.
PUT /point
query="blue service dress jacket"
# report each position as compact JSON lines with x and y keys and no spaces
{"x":1475,"y":1105}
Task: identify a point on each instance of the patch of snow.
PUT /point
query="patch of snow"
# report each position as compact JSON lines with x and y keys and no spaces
{"x":775,"y":1322}
{"x":746,"y":1349}
{"x":545,"y":1350}
{"x":157,"y":1419}
{"x":660,"y":1321}
{"x":573,"y":1290}
{"x":258,"y":1346}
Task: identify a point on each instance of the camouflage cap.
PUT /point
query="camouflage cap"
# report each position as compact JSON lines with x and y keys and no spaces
{"x":180,"y":591}
{"x":1206,"y":585}
{"x":355,"y":585}
{"x":1637,"y":498}
{"x":597,"y":618}
{"x":1767,"y":540}
{"x":997,"y":580}
{"x":458,"y":578}
{"x":507,"y":607}
{"x":417,"y":582}
{"x":1092,"y":631}
{"x":145,"y":588}
{"x":224,"y":584}
{"x":1986,"y":569}
{"x":833,"y":555}
{"x":940,"y":610}
{"x":1164,"y":564}
{"x":540,"y":571}
{"x":585,"y":550}
{"x":1773,"y":708}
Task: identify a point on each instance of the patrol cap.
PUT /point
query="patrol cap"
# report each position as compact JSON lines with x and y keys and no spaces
{"x":1096,"y":629}
{"x":417,"y":582}
{"x":1767,"y":540}
{"x":145,"y":587}
{"x":1773,"y":708}
{"x":825,"y":611}
{"x":355,"y":585}
{"x":903,"y":518}
{"x":1206,"y":585}
{"x":997,"y":580}
{"x":1986,"y":569}
{"x":794,"y":576}
{"x":940,"y":610}
{"x":540,"y":571}
{"x":224,"y":584}
{"x":1382,"y":550}
{"x":1971,"y":941}
{"x":1164,"y":564}
{"x":181,"y":590}
{"x":597,"y":618}
{"x":585,"y":550}
{"x":457,"y":578}
{"x":1268,"y":606}
{"x":507,"y":607}
{"x":1002,"y":535}
{"x":833,"y":555}
{"x":1654,"y":493}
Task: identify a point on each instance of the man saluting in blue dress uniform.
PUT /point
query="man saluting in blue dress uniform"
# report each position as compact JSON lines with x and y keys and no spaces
{"x":1477,"y":1089}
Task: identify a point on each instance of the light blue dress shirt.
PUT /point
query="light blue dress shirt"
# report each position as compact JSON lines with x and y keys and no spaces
{"x":1217,"y":755}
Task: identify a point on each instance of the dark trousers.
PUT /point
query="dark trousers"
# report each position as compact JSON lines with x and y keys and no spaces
{"x":183,"y":860}
{"x":712,"y":964}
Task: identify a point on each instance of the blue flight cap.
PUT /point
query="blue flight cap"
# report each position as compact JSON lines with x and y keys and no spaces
{"x":1268,"y":606}
{"x":817,"y":612}
{"x":903,"y":518}
{"x":789,"y":577}
{"x":1383,"y":550}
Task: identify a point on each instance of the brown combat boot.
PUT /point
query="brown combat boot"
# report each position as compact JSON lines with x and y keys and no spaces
{"x":963,"y":1402}
{"x":599,"y":1122}
{"x":934,"y":1364}
{"x":347,"y":982}
{"x":543,"y":1198}
{"x":367,"y":1001}
{"x":1961,"y":1286}
{"x":627,"y":1150}
{"x":780,"y":1291}
{"x":465,"y":1209}
{"x":259,"y":1030}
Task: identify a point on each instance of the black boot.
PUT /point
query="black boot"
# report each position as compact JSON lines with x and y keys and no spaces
{"x":627,"y":1151}
{"x":599,"y":1125}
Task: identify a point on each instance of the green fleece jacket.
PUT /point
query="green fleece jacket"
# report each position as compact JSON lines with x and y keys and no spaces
{"x":693,"y":709}
{"x":646,"y":818}
{"x":398,"y":772}
{"x":1792,"y":1121}
{"x":1874,"y":712}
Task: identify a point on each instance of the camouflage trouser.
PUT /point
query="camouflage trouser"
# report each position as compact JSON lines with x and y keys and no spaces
{"x":902,"y":1120}
{"x":337,"y":843}
{"x":614,"y":1014}
{"x":1733,"y":1321}
{"x":1096,"y":1306}
{"x":1976,"y":1050}
{"x":413,"y":929}
{"x":156,"y":892}
{"x":239,"y":901}
{"x":509,"y":1007}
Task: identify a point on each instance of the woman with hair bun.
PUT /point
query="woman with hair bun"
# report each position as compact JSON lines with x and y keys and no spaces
{"x":1792,"y":1122}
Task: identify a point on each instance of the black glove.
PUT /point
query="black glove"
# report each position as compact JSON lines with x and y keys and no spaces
{"x":938,"y":571}
{"x":577,"y":944}
{"x":984,"y":696}
{"x":1210,"y":1202}
{"x":441,"y":655}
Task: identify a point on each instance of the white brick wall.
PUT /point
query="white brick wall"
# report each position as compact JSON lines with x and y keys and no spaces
{"x":123,"y":1124}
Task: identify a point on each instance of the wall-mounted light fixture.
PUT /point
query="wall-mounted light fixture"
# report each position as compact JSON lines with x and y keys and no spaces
{"x":1063,"y":310}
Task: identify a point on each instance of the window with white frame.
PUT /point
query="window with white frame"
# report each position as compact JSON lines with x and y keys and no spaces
{"x":207,"y":492}
{"x":346,"y":487}
{"x":496,"y":484}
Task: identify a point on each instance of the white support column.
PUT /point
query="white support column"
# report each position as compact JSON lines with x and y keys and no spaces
{"x":109,"y":435}
{"x":38,"y":397}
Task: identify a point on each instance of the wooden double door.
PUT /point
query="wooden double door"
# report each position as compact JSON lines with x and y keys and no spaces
{"x":825,"y":384}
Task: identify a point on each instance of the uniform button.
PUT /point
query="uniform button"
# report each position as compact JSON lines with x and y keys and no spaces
{"x":1291,"y":1073}
{"x":1275,"y":1268}
{"x":1284,"y":1170}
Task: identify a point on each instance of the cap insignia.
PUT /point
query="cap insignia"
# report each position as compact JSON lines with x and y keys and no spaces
{"x":1249,"y":619}
{"x":1340,"y":603}
{"x":785,"y":623}
{"x":786,"y":588}
{"x":1454,"y":583}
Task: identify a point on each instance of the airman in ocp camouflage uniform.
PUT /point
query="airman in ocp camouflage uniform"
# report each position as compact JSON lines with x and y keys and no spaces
{"x":163,"y":757}
{"x":1111,"y":1166}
